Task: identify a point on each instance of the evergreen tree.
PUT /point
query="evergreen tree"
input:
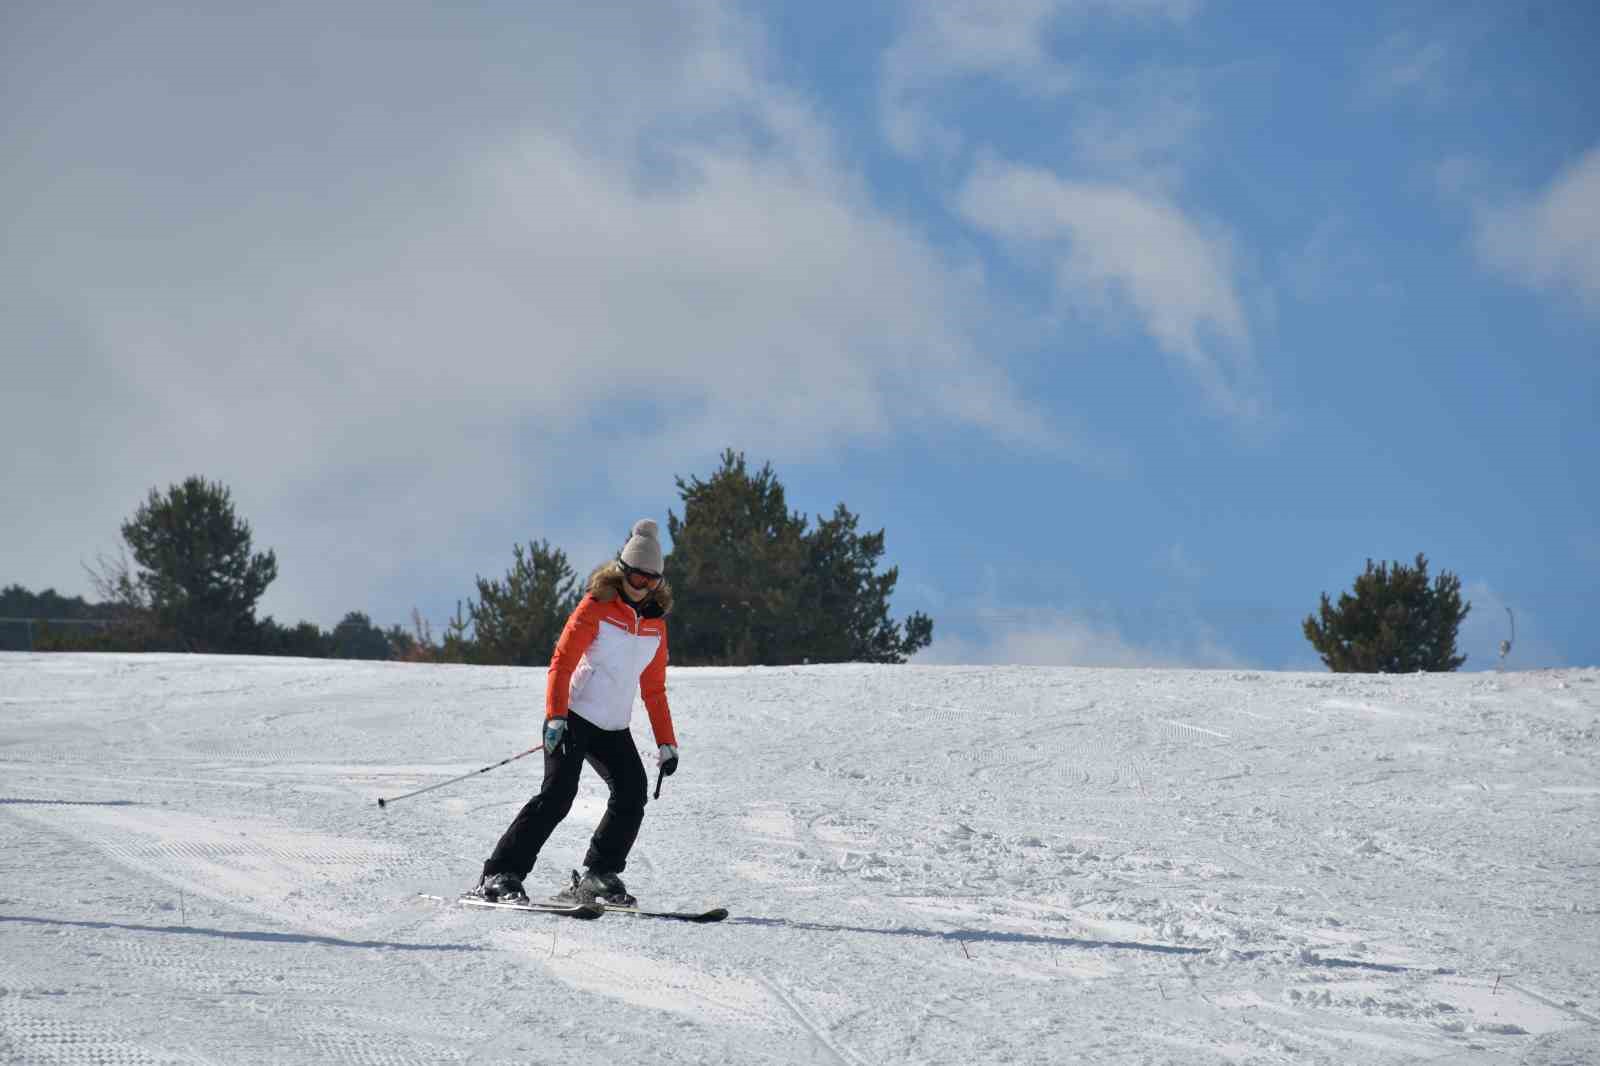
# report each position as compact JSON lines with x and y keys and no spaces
{"x":17,"y":602}
{"x":516,"y":622}
{"x":304,"y":641}
{"x":844,"y":607}
{"x":196,"y":568}
{"x":457,"y":646}
{"x":355,"y":637}
{"x":42,"y":635}
{"x":751,"y":584}
{"x":1395,"y":623}
{"x":736,"y":563}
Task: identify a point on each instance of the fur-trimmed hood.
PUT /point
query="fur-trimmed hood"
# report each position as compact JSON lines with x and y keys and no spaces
{"x":605,"y":584}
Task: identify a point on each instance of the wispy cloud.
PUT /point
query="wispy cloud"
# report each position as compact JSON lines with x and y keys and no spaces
{"x":1407,"y":65}
{"x":1145,"y":136}
{"x":947,"y":42}
{"x":1113,"y":237}
{"x":1042,"y":637}
{"x":1135,"y":248}
{"x":1548,"y":240}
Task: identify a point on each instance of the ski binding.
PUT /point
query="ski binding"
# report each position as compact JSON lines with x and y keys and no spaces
{"x":560,"y":907}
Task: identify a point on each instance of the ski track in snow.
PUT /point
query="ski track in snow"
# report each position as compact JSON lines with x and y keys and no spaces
{"x":924,"y":865}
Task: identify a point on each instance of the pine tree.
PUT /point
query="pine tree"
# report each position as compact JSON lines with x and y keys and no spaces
{"x":845,"y":601}
{"x":306,"y":640}
{"x":355,"y":637}
{"x":516,"y":622}
{"x":1395,"y":623}
{"x":196,"y":569}
{"x":736,"y":561}
{"x":47,"y":610}
{"x":752,"y":584}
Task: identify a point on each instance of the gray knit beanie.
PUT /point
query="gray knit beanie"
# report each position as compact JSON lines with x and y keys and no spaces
{"x":643,"y":550}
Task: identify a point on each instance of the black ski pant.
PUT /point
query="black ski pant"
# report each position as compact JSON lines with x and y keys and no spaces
{"x":616,"y":760}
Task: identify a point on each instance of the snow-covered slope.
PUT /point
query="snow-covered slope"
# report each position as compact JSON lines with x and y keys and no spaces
{"x":924,"y":865}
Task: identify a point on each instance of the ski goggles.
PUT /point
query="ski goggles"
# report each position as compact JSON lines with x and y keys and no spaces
{"x":640,"y":579}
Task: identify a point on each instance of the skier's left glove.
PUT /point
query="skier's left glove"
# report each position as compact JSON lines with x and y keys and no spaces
{"x":555,"y":731}
{"x":667,"y":759}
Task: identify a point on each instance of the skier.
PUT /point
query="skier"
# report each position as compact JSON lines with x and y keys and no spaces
{"x":617,"y":633}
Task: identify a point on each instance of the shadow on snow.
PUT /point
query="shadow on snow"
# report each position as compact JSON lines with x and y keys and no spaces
{"x":240,"y":934}
{"x":969,"y":937}
{"x":19,"y":801}
{"x":1082,"y":943}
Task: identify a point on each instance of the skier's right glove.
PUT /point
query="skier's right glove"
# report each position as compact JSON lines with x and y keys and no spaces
{"x":555,"y":731}
{"x":667,"y":758}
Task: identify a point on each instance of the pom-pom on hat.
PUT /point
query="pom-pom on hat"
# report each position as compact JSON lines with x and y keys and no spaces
{"x":643,"y":550}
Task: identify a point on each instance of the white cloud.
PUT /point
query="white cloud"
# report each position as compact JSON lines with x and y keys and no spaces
{"x":964,"y":38}
{"x":1115,"y":240}
{"x":1549,"y":240}
{"x":480,"y":301}
{"x":1042,"y":637}
{"x":1143,"y":142}
{"x":1406,"y":65}
{"x":949,"y":41}
{"x":1133,"y":248}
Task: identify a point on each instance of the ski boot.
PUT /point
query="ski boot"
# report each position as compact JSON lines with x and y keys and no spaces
{"x":595,"y":886}
{"x":499,"y":888}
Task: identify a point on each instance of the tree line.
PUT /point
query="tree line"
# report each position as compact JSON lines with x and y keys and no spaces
{"x":753,"y":582}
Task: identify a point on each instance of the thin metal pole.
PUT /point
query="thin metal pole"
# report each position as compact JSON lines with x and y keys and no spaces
{"x":521,"y":754}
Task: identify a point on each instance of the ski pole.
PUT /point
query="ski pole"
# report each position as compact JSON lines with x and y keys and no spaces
{"x":658,"y":784}
{"x":385,"y":802}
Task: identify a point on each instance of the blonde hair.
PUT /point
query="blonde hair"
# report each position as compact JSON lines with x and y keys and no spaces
{"x":605,"y":584}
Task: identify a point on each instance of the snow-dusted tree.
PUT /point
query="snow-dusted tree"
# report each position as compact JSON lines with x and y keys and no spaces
{"x":1395,"y":623}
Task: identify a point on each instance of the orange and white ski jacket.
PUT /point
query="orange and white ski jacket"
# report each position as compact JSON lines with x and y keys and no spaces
{"x":605,"y":650}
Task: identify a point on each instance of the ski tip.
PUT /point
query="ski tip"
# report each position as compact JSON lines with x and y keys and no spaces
{"x":716,"y":914}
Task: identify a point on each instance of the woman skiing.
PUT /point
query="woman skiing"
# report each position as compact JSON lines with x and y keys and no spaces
{"x":616,"y":637}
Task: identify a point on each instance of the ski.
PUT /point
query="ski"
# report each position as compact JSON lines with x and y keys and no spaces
{"x":561,"y":908}
{"x":569,"y":895}
{"x":715,"y":914}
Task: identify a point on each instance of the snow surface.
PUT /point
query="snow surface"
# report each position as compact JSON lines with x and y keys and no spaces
{"x":924,"y":865}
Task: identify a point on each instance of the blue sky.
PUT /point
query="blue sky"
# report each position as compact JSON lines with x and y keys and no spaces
{"x":1136,"y":325}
